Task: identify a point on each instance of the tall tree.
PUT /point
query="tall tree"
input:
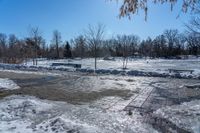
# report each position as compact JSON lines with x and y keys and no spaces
{"x":80,"y":47}
{"x":126,"y":43}
{"x":193,"y":44}
{"x":67,"y":51}
{"x":135,"y":41}
{"x":3,"y":41}
{"x":159,"y":46}
{"x":172,"y":39}
{"x":35,"y":37}
{"x":56,"y":41}
{"x":13,"y":47}
{"x":94,"y":36}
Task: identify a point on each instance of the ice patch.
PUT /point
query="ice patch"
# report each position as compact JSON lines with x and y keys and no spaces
{"x":8,"y":84}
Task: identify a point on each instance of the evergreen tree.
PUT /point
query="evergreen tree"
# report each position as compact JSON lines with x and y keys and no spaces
{"x":67,"y":51}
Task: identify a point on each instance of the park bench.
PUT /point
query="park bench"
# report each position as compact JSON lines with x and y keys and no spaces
{"x":180,"y":70}
{"x":67,"y":64}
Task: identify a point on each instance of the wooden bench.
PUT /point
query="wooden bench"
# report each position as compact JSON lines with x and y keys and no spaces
{"x":179,"y":71}
{"x":67,"y":64}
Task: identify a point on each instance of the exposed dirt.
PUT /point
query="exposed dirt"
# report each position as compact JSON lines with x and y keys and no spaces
{"x":57,"y":88}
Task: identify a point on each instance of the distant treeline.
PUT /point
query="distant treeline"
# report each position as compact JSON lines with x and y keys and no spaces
{"x":167,"y":45}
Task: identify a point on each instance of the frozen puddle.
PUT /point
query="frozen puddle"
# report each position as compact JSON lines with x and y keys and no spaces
{"x":7,"y":84}
{"x":25,"y":114}
{"x":186,"y":115}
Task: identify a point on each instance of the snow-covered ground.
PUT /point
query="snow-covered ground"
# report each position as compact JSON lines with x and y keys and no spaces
{"x":7,"y":84}
{"x":150,"y":65}
{"x":104,"y":114}
{"x":25,"y":114}
{"x":30,"y":72}
{"x":136,"y":67}
{"x":186,"y":115}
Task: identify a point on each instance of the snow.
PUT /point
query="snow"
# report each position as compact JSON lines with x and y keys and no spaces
{"x":186,"y":115}
{"x":136,"y":67}
{"x":98,"y":83}
{"x":16,"y":113}
{"x":19,"y":114}
{"x":31,"y":72}
{"x":30,"y":114}
{"x":194,"y":86}
{"x":150,"y":65}
{"x":7,"y":84}
{"x":15,"y":126}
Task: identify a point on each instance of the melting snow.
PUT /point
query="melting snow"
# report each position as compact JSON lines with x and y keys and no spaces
{"x":8,"y":84}
{"x":29,"y":114}
{"x":186,"y":115}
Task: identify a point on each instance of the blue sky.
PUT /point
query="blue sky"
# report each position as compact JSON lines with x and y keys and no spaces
{"x":71,"y":17}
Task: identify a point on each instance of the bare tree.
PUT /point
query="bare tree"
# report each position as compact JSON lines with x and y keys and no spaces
{"x":134,"y":42}
{"x":79,"y":46}
{"x":133,"y":6}
{"x":172,"y":39}
{"x":159,"y":46}
{"x":3,"y":40}
{"x":193,"y":44}
{"x":56,"y":41}
{"x":12,"y":40}
{"x":13,"y":50}
{"x":94,"y":36}
{"x":194,"y":25}
{"x":146,"y":47}
{"x":35,"y":36}
{"x":126,"y":42}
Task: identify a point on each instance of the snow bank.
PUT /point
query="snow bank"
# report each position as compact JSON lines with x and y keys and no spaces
{"x":7,"y":84}
{"x":29,"y":114}
{"x":186,"y":115}
{"x":31,"y":72}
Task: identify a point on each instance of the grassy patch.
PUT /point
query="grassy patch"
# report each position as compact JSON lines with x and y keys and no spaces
{"x":3,"y":94}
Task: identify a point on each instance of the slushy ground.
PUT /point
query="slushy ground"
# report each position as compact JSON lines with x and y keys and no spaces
{"x":81,"y":103}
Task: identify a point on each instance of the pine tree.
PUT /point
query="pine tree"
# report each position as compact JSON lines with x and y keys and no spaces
{"x":67,"y":51}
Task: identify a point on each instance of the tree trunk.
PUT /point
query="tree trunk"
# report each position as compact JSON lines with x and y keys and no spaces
{"x":57,"y":50}
{"x":36,"y":56}
{"x":95,"y":58}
